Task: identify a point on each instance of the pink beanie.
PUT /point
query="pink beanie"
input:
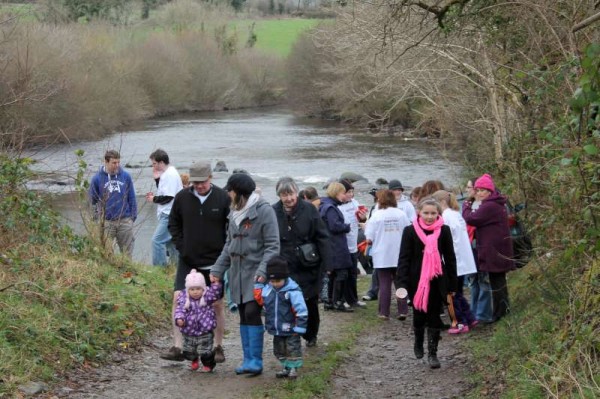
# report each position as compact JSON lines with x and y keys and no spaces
{"x":194,"y":280}
{"x":485,"y":182}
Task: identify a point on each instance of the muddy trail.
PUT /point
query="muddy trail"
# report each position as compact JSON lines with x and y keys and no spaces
{"x":382,"y":365}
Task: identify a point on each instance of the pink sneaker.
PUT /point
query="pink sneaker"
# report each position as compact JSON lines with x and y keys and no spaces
{"x":195,"y":365}
{"x":459,"y":329}
{"x":474,"y":323}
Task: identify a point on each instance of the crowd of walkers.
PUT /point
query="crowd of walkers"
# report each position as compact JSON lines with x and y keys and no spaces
{"x":278,"y":262}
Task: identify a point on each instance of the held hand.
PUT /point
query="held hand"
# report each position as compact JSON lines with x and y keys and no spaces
{"x":180,"y":322}
{"x":259,"y":279}
{"x":214,"y":279}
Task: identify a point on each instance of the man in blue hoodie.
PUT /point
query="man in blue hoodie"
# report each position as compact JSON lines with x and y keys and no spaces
{"x":113,"y":197}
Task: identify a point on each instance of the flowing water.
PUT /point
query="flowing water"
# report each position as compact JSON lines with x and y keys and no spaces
{"x":268,"y":143}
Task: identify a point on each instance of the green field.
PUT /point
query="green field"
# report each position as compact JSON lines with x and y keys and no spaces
{"x":276,"y":36}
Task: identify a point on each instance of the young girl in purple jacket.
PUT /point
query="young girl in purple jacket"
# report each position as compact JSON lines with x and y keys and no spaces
{"x":196,"y":319}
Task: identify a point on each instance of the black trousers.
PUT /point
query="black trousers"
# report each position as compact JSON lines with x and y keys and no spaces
{"x":500,"y":303}
{"x":314,"y":320}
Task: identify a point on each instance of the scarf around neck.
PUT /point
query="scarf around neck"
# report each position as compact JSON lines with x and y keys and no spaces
{"x":239,"y":216}
{"x":432,"y":262}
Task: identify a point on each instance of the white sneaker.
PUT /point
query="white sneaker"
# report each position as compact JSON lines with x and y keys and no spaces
{"x":367,"y":298}
{"x":360,"y":304}
{"x":346,"y":305}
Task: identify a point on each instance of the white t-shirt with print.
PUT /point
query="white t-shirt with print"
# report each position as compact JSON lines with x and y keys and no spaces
{"x":384,"y":229}
{"x":168,"y":184}
{"x":349,"y":211}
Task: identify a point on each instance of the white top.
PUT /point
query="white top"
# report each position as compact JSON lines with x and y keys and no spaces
{"x":465,"y":263}
{"x":408,"y":208}
{"x":349,"y":211}
{"x":168,"y":184}
{"x":384,"y":229}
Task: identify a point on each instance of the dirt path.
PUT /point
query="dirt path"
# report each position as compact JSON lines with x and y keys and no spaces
{"x":383,"y":365}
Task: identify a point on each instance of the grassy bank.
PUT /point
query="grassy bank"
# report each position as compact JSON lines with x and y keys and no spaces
{"x":79,"y":81}
{"x":64,"y":302}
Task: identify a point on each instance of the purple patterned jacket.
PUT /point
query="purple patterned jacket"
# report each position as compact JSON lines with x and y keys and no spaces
{"x":199,"y":319}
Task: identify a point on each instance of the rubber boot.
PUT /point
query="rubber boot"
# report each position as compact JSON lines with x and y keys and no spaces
{"x":246,"y":348}
{"x":433,"y":337}
{"x":255,"y":350}
{"x":419,"y":340}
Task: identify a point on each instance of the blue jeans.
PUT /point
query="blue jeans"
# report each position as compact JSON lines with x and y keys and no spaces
{"x":161,"y":243}
{"x":481,"y":297}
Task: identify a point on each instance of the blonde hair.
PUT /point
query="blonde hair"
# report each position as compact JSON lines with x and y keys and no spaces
{"x":185,"y":179}
{"x":447,"y":197}
{"x":334,"y":189}
{"x":429,"y":201}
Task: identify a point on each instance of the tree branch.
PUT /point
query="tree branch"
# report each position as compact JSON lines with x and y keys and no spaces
{"x":586,"y":22}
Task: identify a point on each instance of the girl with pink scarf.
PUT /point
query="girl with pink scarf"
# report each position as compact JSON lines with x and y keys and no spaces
{"x":427,"y":270}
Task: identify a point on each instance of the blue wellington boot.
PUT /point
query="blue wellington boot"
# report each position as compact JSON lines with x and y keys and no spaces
{"x":242,"y":369}
{"x":256,"y":341}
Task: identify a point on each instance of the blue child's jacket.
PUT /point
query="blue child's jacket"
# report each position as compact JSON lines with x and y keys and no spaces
{"x":285,"y":309}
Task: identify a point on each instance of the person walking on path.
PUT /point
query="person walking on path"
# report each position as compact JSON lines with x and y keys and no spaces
{"x":112,"y":195}
{"x":286,"y":315}
{"x":196,"y":318}
{"x":168,"y":183}
{"x":427,"y":270}
{"x":252,"y":239}
{"x":352,"y":216}
{"x":339,"y":262}
{"x":494,"y":243}
{"x":465,"y":263}
{"x":198,"y":226}
{"x":300,"y":225}
{"x":384,"y":235}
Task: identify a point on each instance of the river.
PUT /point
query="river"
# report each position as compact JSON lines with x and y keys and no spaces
{"x":268,"y":143}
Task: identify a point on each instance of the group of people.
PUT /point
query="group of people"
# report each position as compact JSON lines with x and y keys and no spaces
{"x":282,"y":259}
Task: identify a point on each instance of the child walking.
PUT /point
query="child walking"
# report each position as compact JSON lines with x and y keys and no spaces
{"x":427,"y":270}
{"x":196,"y":318}
{"x":286,"y":315}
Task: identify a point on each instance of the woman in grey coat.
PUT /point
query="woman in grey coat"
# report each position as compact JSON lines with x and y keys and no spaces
{"x":252,"y":239}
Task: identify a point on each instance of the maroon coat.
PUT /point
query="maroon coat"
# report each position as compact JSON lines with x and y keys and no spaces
{"x":494,"y":243}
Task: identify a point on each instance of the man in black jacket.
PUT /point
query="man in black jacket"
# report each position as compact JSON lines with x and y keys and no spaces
{"x":299,"y":223}
{"x":198,"y":225}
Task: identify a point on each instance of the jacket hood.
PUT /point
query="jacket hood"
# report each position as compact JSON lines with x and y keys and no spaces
{"x":329,"y":201}
{"x":102,"y":169}
{"x":290,"y":285}
{"x":496,"y":197}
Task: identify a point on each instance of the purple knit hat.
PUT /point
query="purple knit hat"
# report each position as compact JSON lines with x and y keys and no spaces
{"x":485,"y":182}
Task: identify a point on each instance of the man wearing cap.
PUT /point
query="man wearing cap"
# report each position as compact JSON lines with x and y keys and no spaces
{"x":198,"y":225}
{"x":404,"y":203}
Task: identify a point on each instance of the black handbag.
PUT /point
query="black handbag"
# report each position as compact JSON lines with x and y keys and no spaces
{"x":308,"y":254}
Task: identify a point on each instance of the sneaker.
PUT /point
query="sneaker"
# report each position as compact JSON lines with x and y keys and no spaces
{"x":459,"y":329}
{"x":283,"y":373}
{"x":367,"y":298}
{"x":293,"y":374}
{"x":341,"y":307}
{"x":195,"y":365}
{"x":311,"y":343}
{"x":206,"y":369}
{"x":402,"y":316}
{"x":219,"y":354}
{"x":347,"y":305}
{"x":328,"y":306}
{"x":359,"y":304}
{"x":174,"y":354}
{"x":383,"y":317}
{"x":473,"y":323}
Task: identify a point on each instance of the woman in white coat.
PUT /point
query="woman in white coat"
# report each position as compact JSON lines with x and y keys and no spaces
{"x":465,"y":262}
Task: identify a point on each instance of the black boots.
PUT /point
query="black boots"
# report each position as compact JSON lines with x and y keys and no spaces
{"x":419,"y":339}
{"x":433,"y":337}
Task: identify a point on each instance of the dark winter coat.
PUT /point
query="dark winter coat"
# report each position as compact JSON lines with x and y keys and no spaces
{"x":285,"y":309}
{"x":198,"y":230}
{"x":303,"y":225}
{"x":199,"y":319}
{"x":339,"y":256}
{"x":249,"y":246}
{"x":410,"y":262}
{"x":492,"y":234}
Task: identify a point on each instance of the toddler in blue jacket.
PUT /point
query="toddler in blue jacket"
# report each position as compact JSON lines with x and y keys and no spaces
{"x":286,"y":315}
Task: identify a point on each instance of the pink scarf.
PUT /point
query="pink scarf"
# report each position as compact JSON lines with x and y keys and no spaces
{"x":432,"y":262}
